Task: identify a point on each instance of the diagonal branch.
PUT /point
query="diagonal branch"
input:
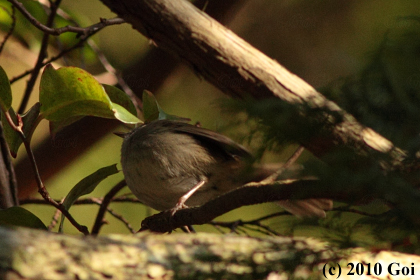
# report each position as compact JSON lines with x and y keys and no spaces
{"x":240,"y":70}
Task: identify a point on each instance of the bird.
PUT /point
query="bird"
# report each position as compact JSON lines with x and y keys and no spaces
{"x":169,"y":165}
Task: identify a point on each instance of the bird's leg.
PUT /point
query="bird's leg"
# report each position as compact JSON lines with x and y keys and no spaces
{"x":181,"y":202}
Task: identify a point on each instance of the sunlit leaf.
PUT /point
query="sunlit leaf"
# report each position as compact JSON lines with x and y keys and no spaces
{"x":123,"y":115}
{"x":69,"y":93}
{"x":5,"y":91}
{"x":5,"y":15}
{"x":152,"y":111}
{"x":124,"y":109}
{"x":86,"y":186}
{"x":121,"y":98}
{"x":18,"y":216}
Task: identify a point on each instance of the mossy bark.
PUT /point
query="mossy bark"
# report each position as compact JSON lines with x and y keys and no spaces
{"x":34,"y":254}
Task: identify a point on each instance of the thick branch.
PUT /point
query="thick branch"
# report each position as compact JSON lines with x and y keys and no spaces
{"x":253,"y":193}
{"x":240,"y":70}
{"x":177,"y":256}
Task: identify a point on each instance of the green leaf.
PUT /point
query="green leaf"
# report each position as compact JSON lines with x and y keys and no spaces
{"x":152,"y":111}
{"x":18,"y":216}
{"x":5,"y":15}
{"x":121,"y":98}
{"x":123,"y":115}
{"x":5,"y":91}
{"x":69,"y":93}
{"x":86,"y":186}
{"x":122,"y":105}
{"x":30,"y":121}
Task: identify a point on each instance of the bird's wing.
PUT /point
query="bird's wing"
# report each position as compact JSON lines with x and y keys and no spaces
{"x":213,"y":139}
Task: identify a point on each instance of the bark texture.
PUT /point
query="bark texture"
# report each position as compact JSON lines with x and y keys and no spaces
{"x":31,"y":254}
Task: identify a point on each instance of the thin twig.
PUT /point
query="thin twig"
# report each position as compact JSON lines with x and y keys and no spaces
{"x":41,"y":188}
{"x":55,"y":218}
{"x":105,"y":202}
{"x":52,"y":59}
{"x":56,"y":57}
{"x":121,"y":219}
{"x":266,"y":230}
{"x":273,"y":177}
{"x":82,"y":201}
{"x":42,"y":53}
{"x":57,"y":31}
{"x":12,"y":28}
{"x":99,"y":201}
{"x":256,"y":222}
{"x":85,"y":201}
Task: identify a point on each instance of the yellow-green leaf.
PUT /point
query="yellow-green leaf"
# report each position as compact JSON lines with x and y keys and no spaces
{"x":5,"y":91}
{"x":86,"y":186}
{"x":152,"y":111}
{"x":121,"y":98}
{"x":123,"y":115}
{"x":69,"y":92}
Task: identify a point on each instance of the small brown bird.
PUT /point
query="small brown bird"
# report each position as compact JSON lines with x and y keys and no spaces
{"x":169,"y":165}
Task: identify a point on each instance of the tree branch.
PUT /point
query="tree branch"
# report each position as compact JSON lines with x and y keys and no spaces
{"x":84,"y":31}
{"x":41,"y":187}
{"x":150,"y":256}
{"x":240,"y":70}
{"x":104,"y":206}
{"x":42,"y":54}
{"x":250,"y":194}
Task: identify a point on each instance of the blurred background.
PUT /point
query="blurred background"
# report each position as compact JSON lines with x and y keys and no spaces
{"x":320,"y":41}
